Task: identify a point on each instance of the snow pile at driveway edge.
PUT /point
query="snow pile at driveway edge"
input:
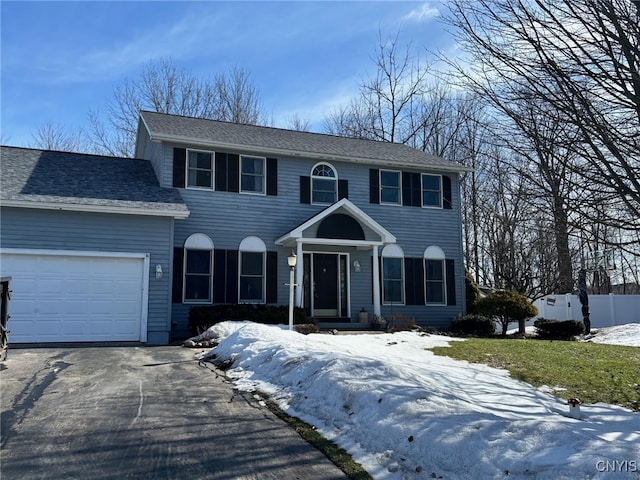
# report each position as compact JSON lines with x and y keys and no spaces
{"x":403,"y":412}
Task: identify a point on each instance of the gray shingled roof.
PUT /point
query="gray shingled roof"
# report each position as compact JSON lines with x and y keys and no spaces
{"x":199,"y":131}
{"x":49,"y":179}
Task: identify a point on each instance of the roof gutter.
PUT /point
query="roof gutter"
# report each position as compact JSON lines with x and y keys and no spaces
{"x":75,"y":207}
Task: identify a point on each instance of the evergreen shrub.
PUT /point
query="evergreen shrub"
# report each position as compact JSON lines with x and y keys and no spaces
{"x":558,"y":330}
{"x":476,"y":325}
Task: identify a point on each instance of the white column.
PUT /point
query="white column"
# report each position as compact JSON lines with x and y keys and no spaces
{"x":299,"y":273}
{"x":376,"y":282}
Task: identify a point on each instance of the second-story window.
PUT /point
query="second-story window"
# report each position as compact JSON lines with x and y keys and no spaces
{"x":199,"y":169}
{"x":252,"y":175}
{"x":390,"y":192}
{"x":431,"y":190}
{"x":324,"y":184}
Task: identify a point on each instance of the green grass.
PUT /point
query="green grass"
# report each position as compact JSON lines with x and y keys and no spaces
{"x":337,"y":455}
{"x":590,"y":371}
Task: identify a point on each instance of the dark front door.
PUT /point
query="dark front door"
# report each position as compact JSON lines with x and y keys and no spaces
{"x":326,"y":281}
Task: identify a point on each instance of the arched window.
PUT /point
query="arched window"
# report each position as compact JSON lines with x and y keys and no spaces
{"x":198,"y":269}
{"x":434,"y":273}
{"x":393,"y":275}
{"x":252,"y":269}
{"x":324,"y":184}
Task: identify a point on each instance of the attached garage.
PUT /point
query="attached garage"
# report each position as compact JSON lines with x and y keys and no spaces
{"x":87,"y":241}
{"x":64,"y":296}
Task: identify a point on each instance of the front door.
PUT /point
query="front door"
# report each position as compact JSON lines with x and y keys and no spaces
{"x":325,"y":277}
{"x":326,"y":292}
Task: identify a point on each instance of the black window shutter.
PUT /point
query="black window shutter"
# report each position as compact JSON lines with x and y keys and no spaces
{"x":406,"y":189}
{"x":232,"y":277}
{"x":179,"y":167}
{"x":219,"y":276}
{"x":343,"y":189}
{"x":177,"y":274}
{"x":446,"y":192}
{"x":221,"y":169}
{"x":272,"y":277}
{"x":411,"y":189}
{"x":233,"y":172}
{"x":451,"y":282}
{"x":374,"y":185}
{"x":272,"y":176}
{"x":414,"y":281}
{"x":409,"y":296}
{"x":305,"y":189}
{"x":416,"y":190}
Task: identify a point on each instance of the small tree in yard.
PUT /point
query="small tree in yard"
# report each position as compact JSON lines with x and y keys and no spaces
{"x":472,"y":292}
{"x":507,"y":306}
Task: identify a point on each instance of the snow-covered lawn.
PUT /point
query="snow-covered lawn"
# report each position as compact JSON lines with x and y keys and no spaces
{"x":405,"y":413}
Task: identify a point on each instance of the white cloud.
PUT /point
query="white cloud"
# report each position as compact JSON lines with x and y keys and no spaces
{"x":423,"y":13}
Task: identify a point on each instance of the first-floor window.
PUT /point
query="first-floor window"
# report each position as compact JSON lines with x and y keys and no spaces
{"x":197,"y":276}
{"x":252,"y":277}
{"x":392,"y":281}
{"x":435,"y":282}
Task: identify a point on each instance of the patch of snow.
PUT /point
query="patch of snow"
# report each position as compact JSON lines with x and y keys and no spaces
{"x":628,"y":334}
{"x":405,"y":413}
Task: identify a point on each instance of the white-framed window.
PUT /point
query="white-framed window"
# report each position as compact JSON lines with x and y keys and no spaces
{"x":390,"y":187}
{"x":252,"y":278}
{"x":252,"y":174}
{"x":393,"y":275}
{"x":198,"y":269}
{"x":324,"y":184}
{"x":431,"y":190}
{"x":200,"y":169}
{"x":435,"y":276}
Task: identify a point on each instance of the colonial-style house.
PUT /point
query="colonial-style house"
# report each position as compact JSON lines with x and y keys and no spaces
{"x":208,"y":213}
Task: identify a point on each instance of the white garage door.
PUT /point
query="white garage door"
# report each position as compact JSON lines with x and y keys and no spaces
{"x":76,"y":296}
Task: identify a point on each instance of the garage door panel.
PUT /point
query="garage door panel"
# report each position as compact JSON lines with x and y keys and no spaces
{"x":60,"y":298}
{"x":74,"y":327}
{"x":106,"y":307}
{"x":79,"y":286}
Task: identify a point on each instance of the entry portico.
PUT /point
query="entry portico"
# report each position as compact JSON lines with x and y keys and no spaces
{"x":341,"y":225}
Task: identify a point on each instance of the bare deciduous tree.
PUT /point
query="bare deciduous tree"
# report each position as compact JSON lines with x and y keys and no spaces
{"x":164,"y":87}
{"x":388,"y":103}
{"x":579,"y":58}
{"x":296,"y":122}
{"x":53,"y":136}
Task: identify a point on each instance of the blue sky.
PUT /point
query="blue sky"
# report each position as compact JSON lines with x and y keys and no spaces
{"x":59,"y":60}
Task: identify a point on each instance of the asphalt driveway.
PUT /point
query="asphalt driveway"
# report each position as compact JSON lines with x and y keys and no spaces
{"x":139,"y":413}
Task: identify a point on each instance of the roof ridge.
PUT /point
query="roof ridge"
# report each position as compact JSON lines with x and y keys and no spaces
{"x":81,"y":154}
{"x":281,"y":129}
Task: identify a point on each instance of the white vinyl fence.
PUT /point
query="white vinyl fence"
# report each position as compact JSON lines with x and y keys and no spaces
{"x":605,"y":310}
